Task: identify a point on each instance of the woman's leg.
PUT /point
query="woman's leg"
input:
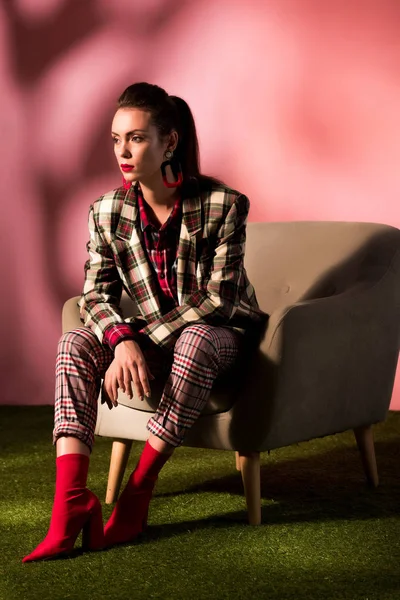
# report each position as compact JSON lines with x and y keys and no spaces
{"x":71,"y":445}
{"x":201,"y":353}
{"x":81,"y":363}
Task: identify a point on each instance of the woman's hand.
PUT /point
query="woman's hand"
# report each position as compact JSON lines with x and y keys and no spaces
{"x":128,"y":367}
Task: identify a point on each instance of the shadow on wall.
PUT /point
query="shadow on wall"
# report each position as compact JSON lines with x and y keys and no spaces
{"x":288,"y":106}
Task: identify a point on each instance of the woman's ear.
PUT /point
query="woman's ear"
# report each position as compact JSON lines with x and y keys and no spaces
{"x":172,"y":141}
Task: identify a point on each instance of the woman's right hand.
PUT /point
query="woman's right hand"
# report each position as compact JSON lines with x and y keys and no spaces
{"x":128,"y":367}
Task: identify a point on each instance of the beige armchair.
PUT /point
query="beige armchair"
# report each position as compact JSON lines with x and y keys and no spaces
{"x":326,"y":364}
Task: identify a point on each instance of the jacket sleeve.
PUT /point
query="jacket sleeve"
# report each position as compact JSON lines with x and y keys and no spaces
{"x":99,"y":302}
{"x":216,"y":302}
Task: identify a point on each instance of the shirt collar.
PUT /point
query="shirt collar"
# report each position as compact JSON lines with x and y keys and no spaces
{"x":147,"y":220}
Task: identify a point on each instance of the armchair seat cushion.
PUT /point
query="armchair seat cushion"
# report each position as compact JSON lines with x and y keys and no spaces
{"x":221,"y":398}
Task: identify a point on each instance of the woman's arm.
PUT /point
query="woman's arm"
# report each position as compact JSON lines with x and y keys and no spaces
{"x":217,"y":302}
{"x":99,"y":302}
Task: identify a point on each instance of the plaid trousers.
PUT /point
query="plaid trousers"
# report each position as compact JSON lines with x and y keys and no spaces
{"x":201,"y":353}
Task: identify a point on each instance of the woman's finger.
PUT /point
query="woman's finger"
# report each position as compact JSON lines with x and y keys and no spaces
{"x":114,"y":389}
{"x":149,"y":373}
{"x":107,"y":387}
{"x":144,"y":380}
{"x":136,"y":382}
{"x":121,"y":379}
{"x":105,"y":398}
{"x":128,"y":383}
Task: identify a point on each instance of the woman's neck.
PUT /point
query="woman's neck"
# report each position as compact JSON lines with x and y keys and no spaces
{"x":157,"y":195}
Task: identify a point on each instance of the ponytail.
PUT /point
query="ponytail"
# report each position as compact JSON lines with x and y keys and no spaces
{"x":187,"y":150}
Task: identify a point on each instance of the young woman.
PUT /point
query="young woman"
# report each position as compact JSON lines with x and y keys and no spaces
{"x":174,"y":240}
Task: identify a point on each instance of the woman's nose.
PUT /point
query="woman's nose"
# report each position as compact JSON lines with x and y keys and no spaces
{"x":124,"y":152}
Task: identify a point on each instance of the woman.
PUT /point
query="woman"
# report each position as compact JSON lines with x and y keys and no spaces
{"x":174,"y":240}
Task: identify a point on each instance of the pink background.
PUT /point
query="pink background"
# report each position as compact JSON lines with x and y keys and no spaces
{"x":296,"y":102}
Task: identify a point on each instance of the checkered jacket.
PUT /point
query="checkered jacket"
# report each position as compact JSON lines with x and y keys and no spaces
{"x":212,"y":284}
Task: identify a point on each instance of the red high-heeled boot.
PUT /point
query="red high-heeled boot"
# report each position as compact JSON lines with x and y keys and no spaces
{"x":75,"y":509}
{"x":129,"y":517}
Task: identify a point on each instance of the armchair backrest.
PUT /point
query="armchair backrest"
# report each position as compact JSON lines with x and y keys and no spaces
{"x":291,"y":261}
{"x":297,"y":260}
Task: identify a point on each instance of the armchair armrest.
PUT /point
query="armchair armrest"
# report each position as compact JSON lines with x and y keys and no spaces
{"x":326,"y":364}
{"x":335,"y":359}
{"x":70,"y":315}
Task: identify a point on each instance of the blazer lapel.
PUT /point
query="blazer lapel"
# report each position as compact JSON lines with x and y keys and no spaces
{"x":135,"y":266}
{"x":186,"y":265}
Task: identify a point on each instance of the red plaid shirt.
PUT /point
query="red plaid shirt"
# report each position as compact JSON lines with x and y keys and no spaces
{"x":161,"y":244}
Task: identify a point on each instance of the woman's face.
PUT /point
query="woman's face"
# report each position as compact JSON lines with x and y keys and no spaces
{"x":137,"y":145}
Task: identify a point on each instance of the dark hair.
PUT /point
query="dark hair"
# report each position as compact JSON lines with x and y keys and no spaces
{"x":168,"y":113}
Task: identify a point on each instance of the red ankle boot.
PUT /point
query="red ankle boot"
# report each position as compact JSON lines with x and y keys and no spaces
{"x":75,"y":509}
{"x":129,"y":517}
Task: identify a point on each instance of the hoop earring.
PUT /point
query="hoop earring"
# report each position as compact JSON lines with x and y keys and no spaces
{"x":126,"y":184}
{"x":175,"y":168}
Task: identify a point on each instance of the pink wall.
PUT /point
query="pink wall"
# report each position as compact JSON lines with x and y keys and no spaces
{"x":296,"y":101}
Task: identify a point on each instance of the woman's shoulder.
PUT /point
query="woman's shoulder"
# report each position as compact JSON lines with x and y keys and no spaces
{"x":217,"y":192}
{"x":110,"y":202}
{"x":106,"y":211}
{"x":217,"y":201}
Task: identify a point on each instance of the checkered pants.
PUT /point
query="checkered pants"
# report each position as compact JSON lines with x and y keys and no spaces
{"x":201,"y":353}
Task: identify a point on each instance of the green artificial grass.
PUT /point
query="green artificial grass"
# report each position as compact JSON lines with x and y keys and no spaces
{"x":324,"y":534}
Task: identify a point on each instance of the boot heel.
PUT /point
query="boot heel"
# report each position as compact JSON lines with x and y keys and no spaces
{"x":92,"y":531}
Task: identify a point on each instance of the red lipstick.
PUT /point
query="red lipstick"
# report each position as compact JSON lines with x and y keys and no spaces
{"x":126,"y":168}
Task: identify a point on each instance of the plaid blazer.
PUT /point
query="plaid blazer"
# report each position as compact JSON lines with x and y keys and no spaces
{"x":212,"y":284}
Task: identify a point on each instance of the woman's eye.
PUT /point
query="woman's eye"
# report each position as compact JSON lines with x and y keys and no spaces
{"x":134,"y":138}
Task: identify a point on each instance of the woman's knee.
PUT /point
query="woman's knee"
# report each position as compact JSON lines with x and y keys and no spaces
{"x":197,"y":338}
{"x":79,"y":340}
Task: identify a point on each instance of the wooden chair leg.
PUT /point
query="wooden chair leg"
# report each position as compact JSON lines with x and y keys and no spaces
{"x":250,"y":468}
{"x":365,"y":442}
{"x":119,"y":458}
{"x":237,"y":458}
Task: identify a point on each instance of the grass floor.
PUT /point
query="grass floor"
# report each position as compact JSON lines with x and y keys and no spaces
{"x":325,"y":534}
